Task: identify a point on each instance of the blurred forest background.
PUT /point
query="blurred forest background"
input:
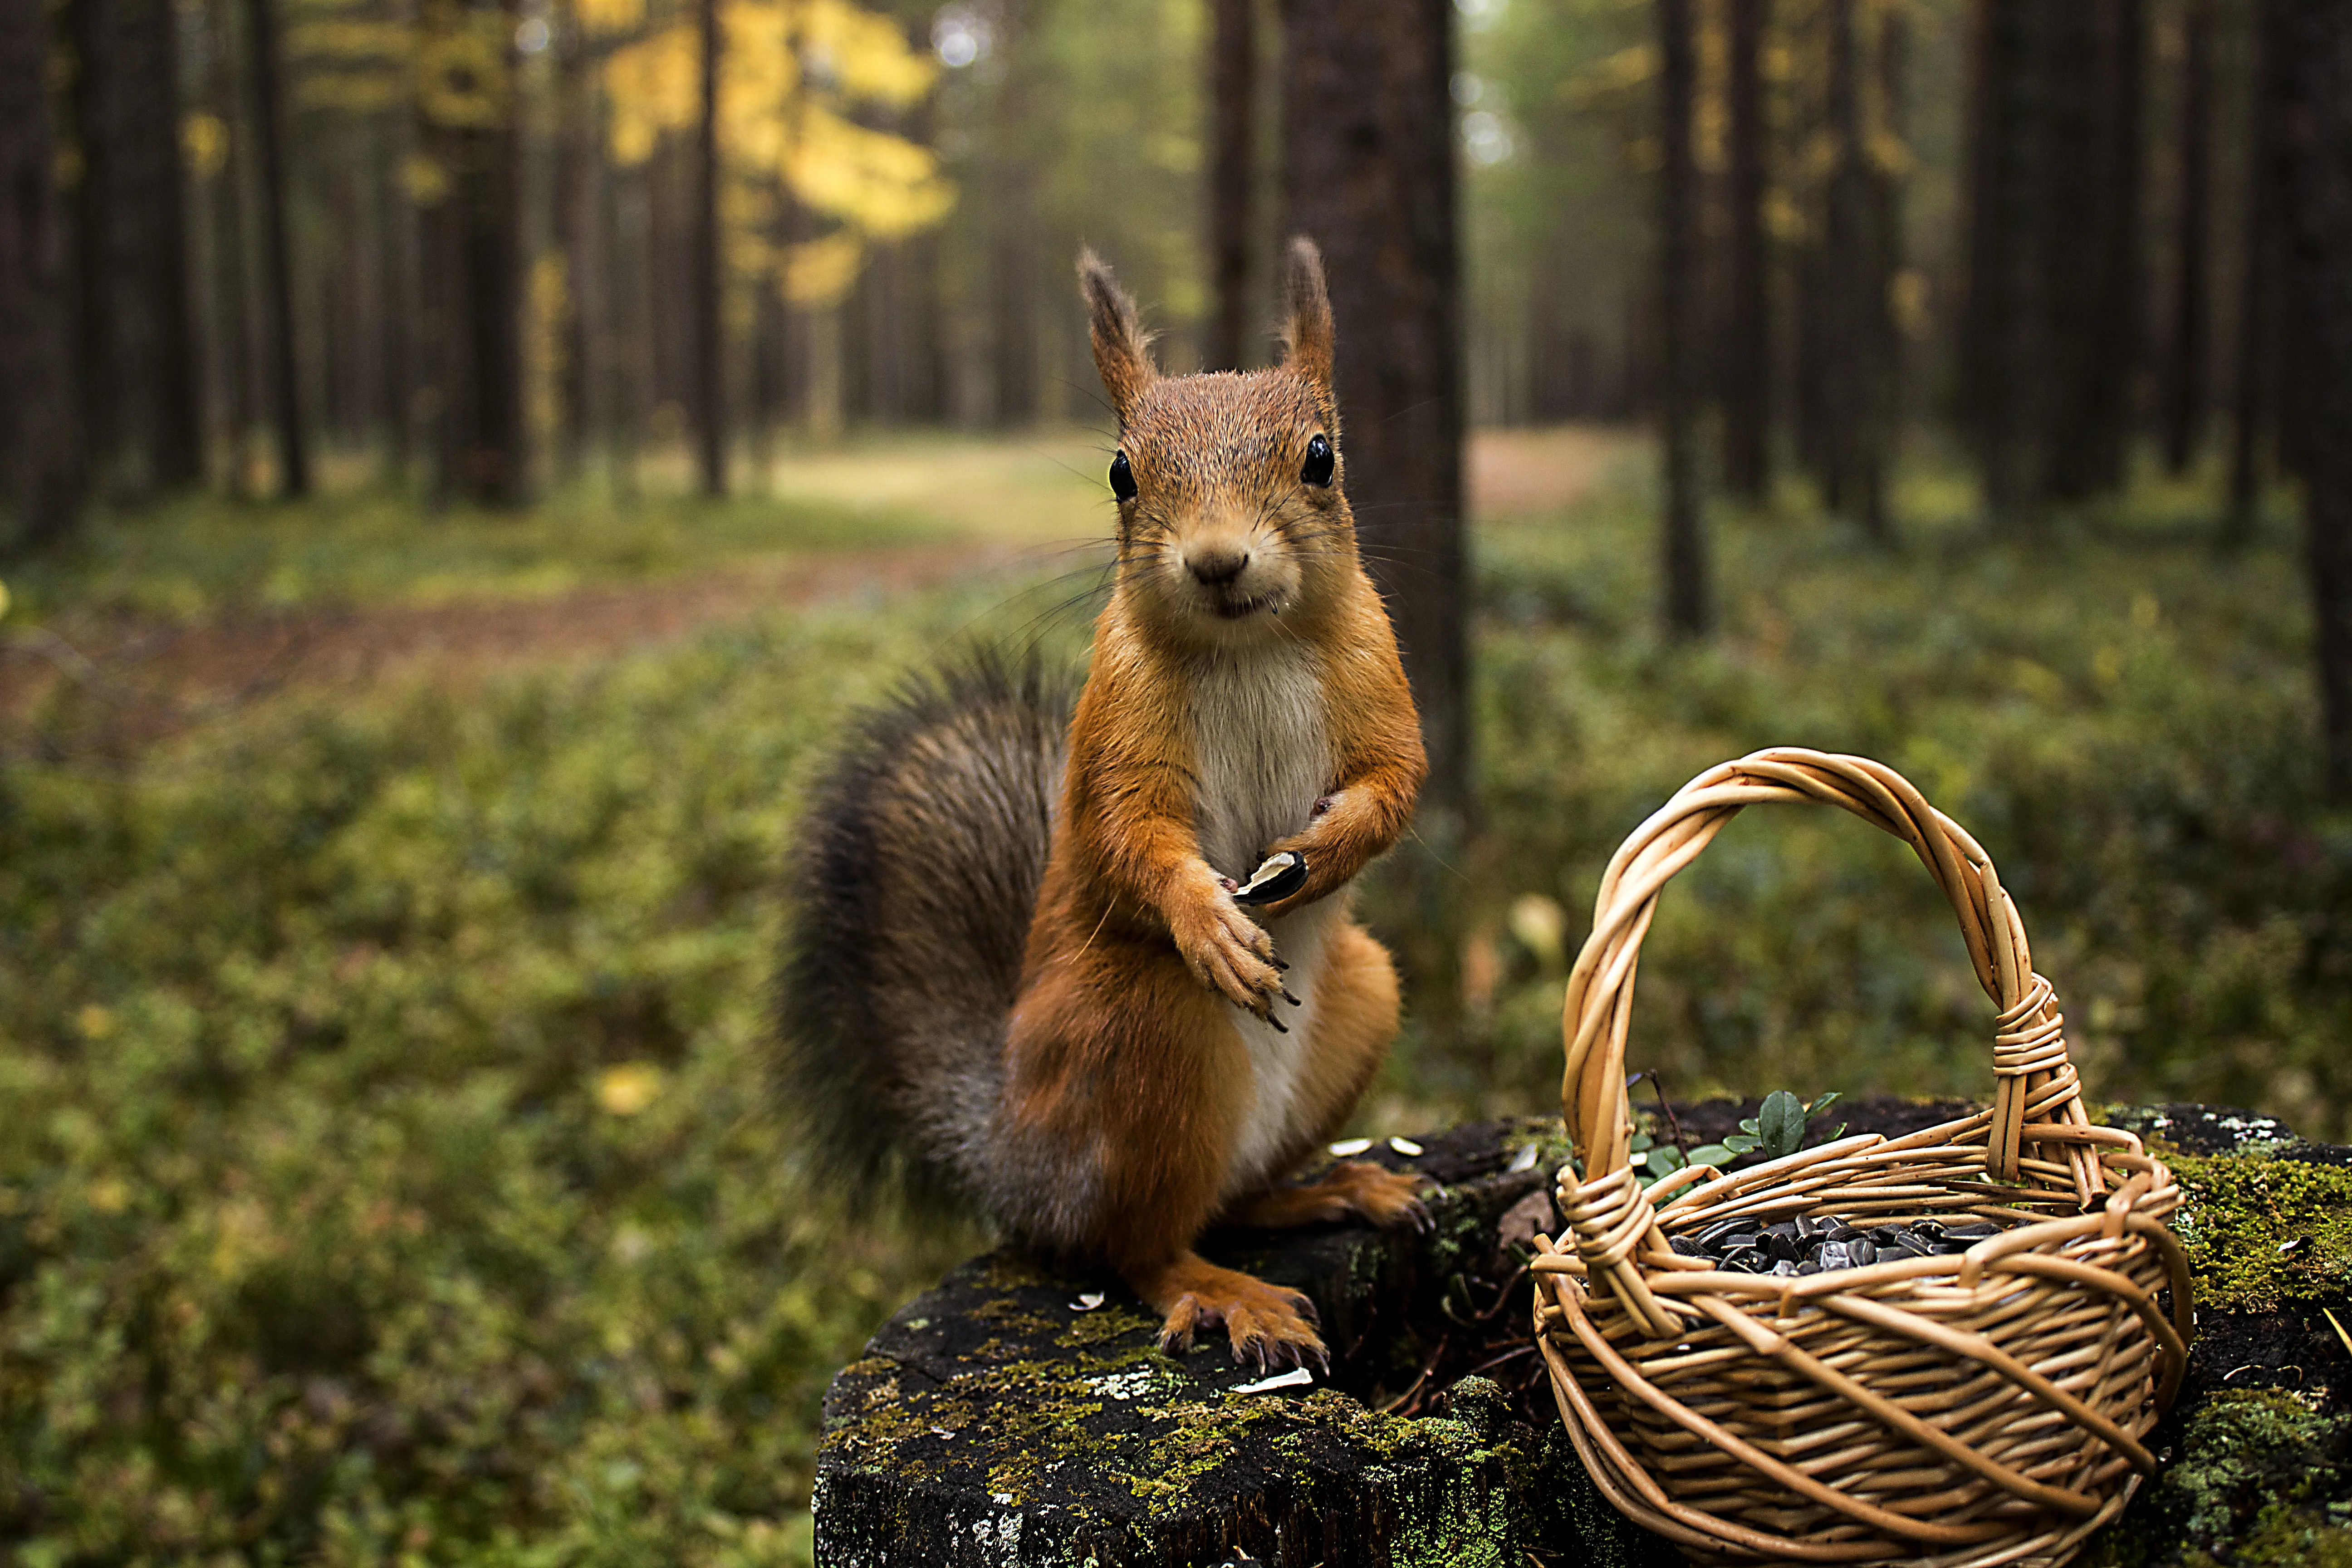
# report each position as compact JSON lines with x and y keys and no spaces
{"x":458,"y":471}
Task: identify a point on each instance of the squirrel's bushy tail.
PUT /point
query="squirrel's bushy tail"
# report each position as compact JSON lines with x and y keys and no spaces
{"x":911,"y":887}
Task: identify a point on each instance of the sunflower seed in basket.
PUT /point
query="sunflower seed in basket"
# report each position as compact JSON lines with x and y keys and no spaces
{"x":1810,"y":1245}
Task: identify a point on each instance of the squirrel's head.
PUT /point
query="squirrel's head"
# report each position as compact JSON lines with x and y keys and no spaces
{"x":1230,"y":516}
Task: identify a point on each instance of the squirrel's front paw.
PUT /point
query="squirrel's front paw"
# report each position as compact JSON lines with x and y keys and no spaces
{"x":1230,"y":953}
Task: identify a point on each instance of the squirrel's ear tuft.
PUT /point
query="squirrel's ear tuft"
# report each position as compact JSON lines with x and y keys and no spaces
{"x":1307,"y":311}
{"x":1122,"y":352}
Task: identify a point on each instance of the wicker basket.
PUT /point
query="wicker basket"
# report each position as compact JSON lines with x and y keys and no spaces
{"x":1977,"y":1409}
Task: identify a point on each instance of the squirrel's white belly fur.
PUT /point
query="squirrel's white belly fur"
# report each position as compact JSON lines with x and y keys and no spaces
{"x":1262,"y":755}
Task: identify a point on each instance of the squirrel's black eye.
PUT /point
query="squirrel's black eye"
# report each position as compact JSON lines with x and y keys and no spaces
{"x":1317,"y":470}
{"x":1122,"y":478}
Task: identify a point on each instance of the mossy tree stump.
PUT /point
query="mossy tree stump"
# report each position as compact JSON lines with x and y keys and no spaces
{"x":1020,"y":1413}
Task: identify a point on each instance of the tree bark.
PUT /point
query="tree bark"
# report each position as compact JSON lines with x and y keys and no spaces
{"x":1853,"y":297}
{"x":2186,"y":371}
{"x":1747,"y":401}
{"x":1233,"y":163}
{"x":144,"y":413}
{"x":709,"y":367}
{"x":1687,"y":609}
{"x":578,"y":164}
{"x":41,"y":470}
{"x":285,"y":393}
{"x":2316,"y":123}
{"x":1885,"y":401}
{"x":2111,"y":366}
{"x":1369,"y":174}
{"x":483,"y":447}
{"x":2259,"y":275}
{"x":2002,"y":397}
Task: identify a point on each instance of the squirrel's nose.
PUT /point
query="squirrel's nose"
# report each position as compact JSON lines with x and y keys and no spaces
{"x":1217,"y":565}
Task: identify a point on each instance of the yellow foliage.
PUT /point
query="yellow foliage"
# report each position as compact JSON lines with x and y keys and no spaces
{"x":346,"y":41}
{"x":548,"y":290}
{"x":868,"y":55}
{"x":204,"y":142}
{"x":778,"y":120}
{"x":1625,"y":69}
{"x":461,"y":74}
{"x":884,"y":185}
{"x":626,"y":1089}
{"x":655,"y":86}
{"x":424,"y":180}
{"x":610,"y":16}
{"x":357,"y":67}
{"x":818,"y":273}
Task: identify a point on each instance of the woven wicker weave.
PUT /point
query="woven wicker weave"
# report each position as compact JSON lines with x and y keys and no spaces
{"x":1977,"y":1409}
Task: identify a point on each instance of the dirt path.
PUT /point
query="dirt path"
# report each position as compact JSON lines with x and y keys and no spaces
{"x":109,"y":684}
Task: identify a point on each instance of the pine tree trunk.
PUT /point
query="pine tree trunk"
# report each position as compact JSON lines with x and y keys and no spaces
{"x":2315,"y":119}
{"x":578,"y":164}
{"x":2070,"y":231}
{"x":40,"y":453}
{"x":1369,"y":174}
{"x":142,"y":403}
{"x":1850,"y":271}
{"x":2185,"y":366}
{"x":1994,"y":385}
{"x":1233,"y":161}
{"x":1011,"y":234}
{"x":1885,"y":400}
{"x":1685,"y":553}
{"x":276,"y":267}
{"x":2259,"y":276}
{"x":1747,"y":401}
{"x":2117,"y":340}
{"x":493,"y":462}
{"x":709,"y":367}
{"x":396,"y":388}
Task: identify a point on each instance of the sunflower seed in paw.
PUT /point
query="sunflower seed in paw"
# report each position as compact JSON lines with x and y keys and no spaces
{"x":1406,"y":1147}
{"x":1275,"y":879}
{"x":1348,"y":1146}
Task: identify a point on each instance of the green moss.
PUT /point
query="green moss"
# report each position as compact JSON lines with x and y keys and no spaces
{"x":2263,"y":1232}
{"x":2261,"y":1477}
{"x":2288,"y":1541}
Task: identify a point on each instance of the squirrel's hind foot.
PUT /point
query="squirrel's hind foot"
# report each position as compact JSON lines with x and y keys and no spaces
{"x":1270,"y":1325}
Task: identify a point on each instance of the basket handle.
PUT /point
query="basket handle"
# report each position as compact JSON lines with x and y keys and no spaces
{"x":2030,"y":1061}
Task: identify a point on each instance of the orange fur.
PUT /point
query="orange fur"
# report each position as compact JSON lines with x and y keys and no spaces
{"x":1126,"y":1060}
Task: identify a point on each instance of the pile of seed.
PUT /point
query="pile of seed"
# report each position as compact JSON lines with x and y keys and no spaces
{"x":1809,"y":1245}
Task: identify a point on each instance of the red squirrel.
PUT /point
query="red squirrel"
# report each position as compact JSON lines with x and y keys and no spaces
{"x":1018,"y":968}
